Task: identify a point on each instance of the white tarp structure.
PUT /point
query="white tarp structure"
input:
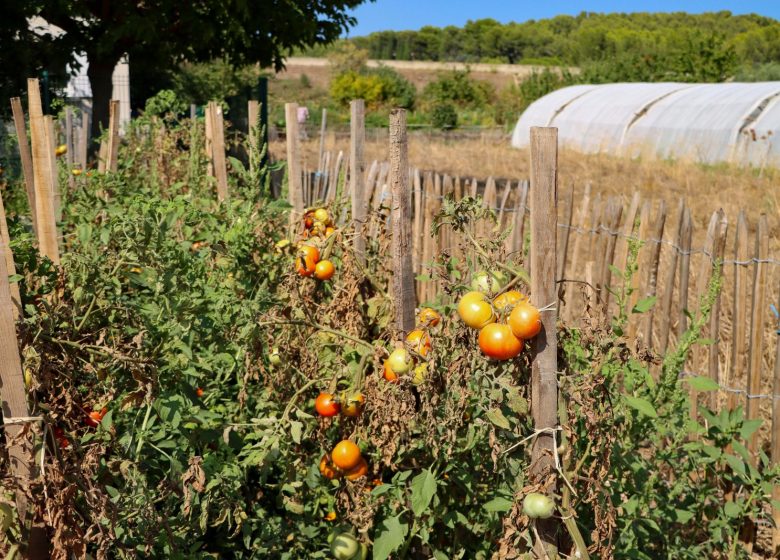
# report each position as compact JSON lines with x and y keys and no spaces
{"x":707,"y":123}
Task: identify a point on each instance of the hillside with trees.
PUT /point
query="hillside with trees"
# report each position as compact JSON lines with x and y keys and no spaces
{"x":678,"y":46}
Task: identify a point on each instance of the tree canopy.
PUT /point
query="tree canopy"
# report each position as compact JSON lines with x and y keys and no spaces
{"x":170,"y":31}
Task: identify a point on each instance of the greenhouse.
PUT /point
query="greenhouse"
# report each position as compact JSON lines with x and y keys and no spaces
{"x":705,"y":123}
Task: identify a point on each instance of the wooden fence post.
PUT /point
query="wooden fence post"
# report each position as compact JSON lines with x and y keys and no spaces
{"x":294,"y":184}
{"x":26,"y":158}
{"x":218,"y":150}
{"x":718,"y":251}
{"x":9,"y":262}
{"x":651,"y":282}
{"x":544,"y":365}
{"x":357,"y":164}
{"x":44,"y":204}
{"x":112,"y":145}
{"x":757,"y":321}
{"x":209,"y":139}
{"x":685,"y":266}
{"x":70,"y":155}
{"x":403,"y":275}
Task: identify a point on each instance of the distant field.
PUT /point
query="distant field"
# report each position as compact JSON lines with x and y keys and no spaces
{"x":417,"y":72}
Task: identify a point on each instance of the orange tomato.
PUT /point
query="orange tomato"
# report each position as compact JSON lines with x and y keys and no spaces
{"x":94,"y":417}
{"x":308,"y":219}
{"x":330,"y":516}
{"x":305,"y":265}
{"x":353,"y":404}
{"x":346,"y":455}
{"x":509,"y":299}
{"x":309,"y":251}
{"x":525,"y":321}
{"x":330,"y":230}
{"x":389,"y":374}
{"x":199,"y":392}
{"x":326,"y":405}
{"x":475,"y":310}
{"x":324,"y":270}
{"x":328,"y":469}
{"x":428,"y":317}
{"x":497,"y":341}
{"x":358,"y":471}
{"x":419,"y":341}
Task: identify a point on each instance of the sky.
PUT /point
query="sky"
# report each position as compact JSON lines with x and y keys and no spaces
{"x":413,"y":14}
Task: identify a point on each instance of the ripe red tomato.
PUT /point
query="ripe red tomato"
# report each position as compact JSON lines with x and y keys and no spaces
{"x":326,"y":405}
{"x":305,"y":266}
{"x":199,"y":392}
{"x":497,"y":341}
{"x":94,"y":417}
{"x":346,"y":455}
{"x":525,"y":320}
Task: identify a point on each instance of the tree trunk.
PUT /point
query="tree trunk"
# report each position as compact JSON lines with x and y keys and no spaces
{"x":100,"y":72}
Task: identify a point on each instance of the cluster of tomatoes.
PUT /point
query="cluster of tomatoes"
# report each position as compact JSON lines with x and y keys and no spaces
{"x":317,"y":225}
{"x":345,"y":460}
{"x":92,"y":418}
{"x":410,"y":357}
{"x":505,"y":323}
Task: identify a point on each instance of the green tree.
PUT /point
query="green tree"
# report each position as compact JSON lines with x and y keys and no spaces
{"x":172,"y":31}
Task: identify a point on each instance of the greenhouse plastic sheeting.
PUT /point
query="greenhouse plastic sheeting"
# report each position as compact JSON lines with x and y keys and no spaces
{"x":708,"y":123}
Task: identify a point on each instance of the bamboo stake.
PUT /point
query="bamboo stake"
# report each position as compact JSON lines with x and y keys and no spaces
{"x":403,"y":276}
{"x":44,"y":204}
{"x":757,"y":323}
{"x":544,"y":365}
{"x":26,"y":158}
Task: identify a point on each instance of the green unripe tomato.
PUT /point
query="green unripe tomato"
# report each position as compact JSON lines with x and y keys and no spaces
{"x":399,"y":361}
{"x":538,"y":506}
{"x":274,"y":357}
{"x":344,"y":547}
{"x":488,"y":283}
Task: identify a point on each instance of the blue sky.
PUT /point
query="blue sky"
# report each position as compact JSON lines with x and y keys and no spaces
{"x":413,"y":14}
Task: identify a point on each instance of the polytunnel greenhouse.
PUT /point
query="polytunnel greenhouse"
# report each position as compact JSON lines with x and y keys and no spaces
{"x":707,"y":123}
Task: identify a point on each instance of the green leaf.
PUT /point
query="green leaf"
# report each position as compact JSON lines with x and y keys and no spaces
{"x":644,"y":305}
{"x":498,"y":504}
{"x":702,"y":383}
{"x":683,"y":516}
{"x":423,"y":490}
{"x":390,"y":536}
{"x":735,"y":463}
{"x":749,"y":427}
{"x":732,"y":510}
{"x":642,"y":405}
{"x":497,"y":417}
{"x":296,"y":429}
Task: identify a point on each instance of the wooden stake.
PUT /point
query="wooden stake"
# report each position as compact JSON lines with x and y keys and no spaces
{"x":112,"y":146}
{"x":83,"y":140}
{"x":544,"y":365}
{"x":209,"y":141}
{"x":218,"y":150}
{"x":739,"y":314}
{"x":357,"y":164}
{"x":253,"y":125}
{"x":685,"y":266}
{"x":51,"y":148}
{"x":776,"y":446}
{"x":12,"y":390}
{"x":26,"y":158}
{"x":5,"y":239}
{"x":718,"y":250}
{"x":609,"y":254}
{"x":757,"y":322}
{"x":294,"y":179}
{"x":44,"y":204}
{"x":403,"y":276}
{"x":666,"y":302}
{"x":323,"y":128}
{"x":70,"y":155}
{"x":651,"y":283}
